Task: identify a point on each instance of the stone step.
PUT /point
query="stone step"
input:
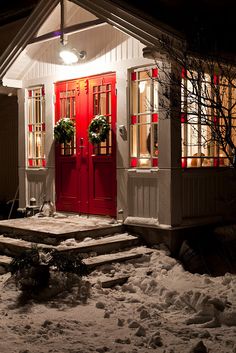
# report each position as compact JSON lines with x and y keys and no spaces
{"x":95,"y":261}
{"x":52,"y":231}
{"x":14,"y":247}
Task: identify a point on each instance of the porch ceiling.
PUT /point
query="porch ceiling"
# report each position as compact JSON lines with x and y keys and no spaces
{"x":40,"y":23}
{"x":38,"y":45}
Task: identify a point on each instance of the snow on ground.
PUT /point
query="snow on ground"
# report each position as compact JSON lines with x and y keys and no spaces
{"x":161,"y":308}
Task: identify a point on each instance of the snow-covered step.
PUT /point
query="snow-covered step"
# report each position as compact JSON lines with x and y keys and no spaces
{"x":109,"y":282}
{"x":13,"y":247}
{"x":5,"y":260}
{"x":93,"y":262}
{"x":4,"y":263}
{"x":102,"y":245}
{"x":52,"y":231}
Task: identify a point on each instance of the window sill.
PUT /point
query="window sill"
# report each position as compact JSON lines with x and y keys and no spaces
{"x":142,"y":170}
{"x":36,"y":170}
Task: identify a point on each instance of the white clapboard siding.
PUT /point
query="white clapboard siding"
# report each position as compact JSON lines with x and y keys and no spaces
{"x":143,"y":195}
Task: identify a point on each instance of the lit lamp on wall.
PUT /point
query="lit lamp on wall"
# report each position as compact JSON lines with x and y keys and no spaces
{"x":67,"y":54}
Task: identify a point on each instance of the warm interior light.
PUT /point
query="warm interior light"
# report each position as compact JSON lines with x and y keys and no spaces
{"x":143,"y":161}
{"x":142,"y":86}
{"x":68,"y":56}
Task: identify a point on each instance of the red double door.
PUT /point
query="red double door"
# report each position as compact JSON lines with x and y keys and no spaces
{"x":86,"y":174}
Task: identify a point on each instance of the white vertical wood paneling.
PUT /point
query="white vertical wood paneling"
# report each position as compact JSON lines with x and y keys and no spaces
{"x":39,"y":184}
{"x":36,"y":188}
{"x":143,"y":195}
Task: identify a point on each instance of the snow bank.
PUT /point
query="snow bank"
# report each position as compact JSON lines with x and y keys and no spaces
{"x":161,"y":308}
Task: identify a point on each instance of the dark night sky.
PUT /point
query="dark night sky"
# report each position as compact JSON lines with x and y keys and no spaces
{"x":11,"y":10}
{"x":205,"y":23}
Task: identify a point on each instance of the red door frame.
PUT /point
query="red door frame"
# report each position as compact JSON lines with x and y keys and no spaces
{"x":80,"y":183}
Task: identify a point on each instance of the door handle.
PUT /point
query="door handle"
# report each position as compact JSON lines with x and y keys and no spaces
{"x":81,"y":143}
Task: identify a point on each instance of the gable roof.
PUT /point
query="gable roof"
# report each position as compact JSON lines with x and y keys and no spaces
{"x":145,"y":31}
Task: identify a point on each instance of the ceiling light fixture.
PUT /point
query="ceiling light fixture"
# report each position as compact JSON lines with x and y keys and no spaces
{"x":67,"y":54}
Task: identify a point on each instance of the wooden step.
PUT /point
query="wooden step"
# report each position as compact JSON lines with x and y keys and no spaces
{"x":4,"y":264}
{"x":103,"y":245}
{"x":93,"y":262}
{"x":14,"y":247}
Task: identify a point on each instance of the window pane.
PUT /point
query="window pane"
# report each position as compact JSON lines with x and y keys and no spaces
{"x":144,"y":75}
{"x":95,"y":104}
{"x":134,"y":98}
{"x":155,"y":95}
{"x":224,"y":99}
{"x":233,"y":99}
{"x":68,"y":110}
{"x":145,"y":104}
{"x":133,"y":141}
{"x":192,"y":99}
{"x":144,"y":140}
{"x":144,"y":119}
{"x":210,"y":104}
{"x":206,"y":100}
{"x":192,"y":144}
{"x":103,"y":108}
{"x":154,"y":140}
{"x":109,"y":103}
{"x":36,"y":128}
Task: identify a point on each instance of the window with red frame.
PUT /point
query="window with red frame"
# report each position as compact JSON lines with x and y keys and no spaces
{"x":36,"y":127}
{"x":144,"y":118}
{"x":203,"y":120}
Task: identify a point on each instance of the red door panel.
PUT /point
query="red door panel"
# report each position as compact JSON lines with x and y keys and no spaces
{"x":86,"y":174}
{"x":102,"y":172}
{"x":66,"y":164}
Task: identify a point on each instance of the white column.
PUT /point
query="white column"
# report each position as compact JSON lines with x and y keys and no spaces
{"x":170,"y":173}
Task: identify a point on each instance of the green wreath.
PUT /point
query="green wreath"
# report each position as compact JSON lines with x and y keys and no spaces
{"x":98,"y":129}
{"x":64,"y":130}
